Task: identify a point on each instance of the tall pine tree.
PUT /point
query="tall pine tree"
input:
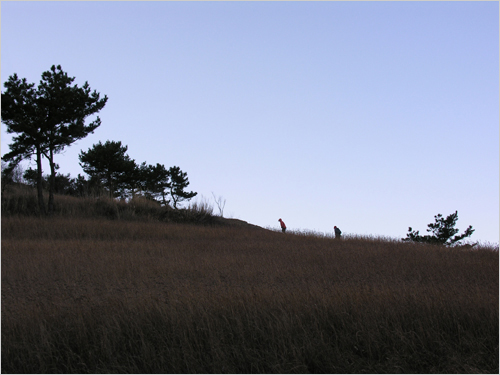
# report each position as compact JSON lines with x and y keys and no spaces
{"x":47,"y":119}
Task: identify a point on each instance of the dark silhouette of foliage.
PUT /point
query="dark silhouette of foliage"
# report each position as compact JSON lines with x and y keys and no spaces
{"x":179,"y":181}
{"x":64,"y":184}
{"x":20,"y":115}
{"x":31,"y":178}
{"x":155,"y":182}
{"x":108,"y":165}
{"x":82,"y":187}
{"x":443,"y":232}
{"x":47,"y":119}
{"x":12,"y":173}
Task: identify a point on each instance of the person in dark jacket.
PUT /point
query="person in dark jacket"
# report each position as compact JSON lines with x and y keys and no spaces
{"x":283,"y":226}
{"x":338,"y":233}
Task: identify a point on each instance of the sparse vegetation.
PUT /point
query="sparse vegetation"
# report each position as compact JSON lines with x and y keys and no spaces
{"x":85,"y":294}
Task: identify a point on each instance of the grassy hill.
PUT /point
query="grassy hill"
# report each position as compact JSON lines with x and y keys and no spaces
{"x":128,"y":287}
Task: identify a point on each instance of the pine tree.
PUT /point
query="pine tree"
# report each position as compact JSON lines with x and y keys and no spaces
{"x":442,"y":231}
{"x":109,"y":166}
{"x":47,"y":119}
{"x":179,"y":182}
{"x":155,"y":181}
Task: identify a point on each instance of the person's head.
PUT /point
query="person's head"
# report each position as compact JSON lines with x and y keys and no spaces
{"x":279,"y":220}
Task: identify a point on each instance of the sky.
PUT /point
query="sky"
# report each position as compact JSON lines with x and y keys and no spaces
{"x":371,"y":116}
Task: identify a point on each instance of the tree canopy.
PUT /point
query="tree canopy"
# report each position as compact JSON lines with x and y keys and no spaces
{"x":179,"y":181}
{"x":155,"y":182}
{"x":47,"y":119}
{"x":108,"y":165}
{"x":443,"y":231}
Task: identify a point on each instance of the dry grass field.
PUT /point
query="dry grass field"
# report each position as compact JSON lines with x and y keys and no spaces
{"x":93,"y":295}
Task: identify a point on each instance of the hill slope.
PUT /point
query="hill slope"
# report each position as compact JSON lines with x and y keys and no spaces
{"x":90,"y":294}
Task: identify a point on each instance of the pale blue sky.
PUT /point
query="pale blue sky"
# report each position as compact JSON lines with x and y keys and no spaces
{"x":372,"y":116}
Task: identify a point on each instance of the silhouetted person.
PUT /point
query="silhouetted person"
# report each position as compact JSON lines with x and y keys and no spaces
{"x":283,"y":226}
{"x":338,"y":233}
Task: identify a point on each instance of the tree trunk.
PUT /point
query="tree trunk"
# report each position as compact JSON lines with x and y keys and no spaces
{"x":110,"y":185}
{"x":52,"y":182}
{"x":39,"y":181}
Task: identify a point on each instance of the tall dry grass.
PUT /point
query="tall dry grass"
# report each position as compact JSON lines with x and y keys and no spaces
{"x":22,"y":200}
{"x":83,"y":295}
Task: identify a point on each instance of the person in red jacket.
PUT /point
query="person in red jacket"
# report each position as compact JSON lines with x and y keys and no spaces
{"x":283,"y":226}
